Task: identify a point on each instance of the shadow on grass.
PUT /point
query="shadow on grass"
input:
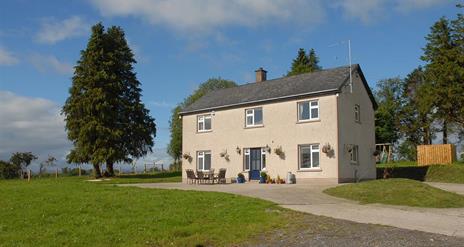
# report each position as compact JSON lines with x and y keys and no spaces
{"x":155,"y":175}
{"x":411,"y":172}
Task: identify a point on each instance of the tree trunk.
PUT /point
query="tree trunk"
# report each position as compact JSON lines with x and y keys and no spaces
{"x":445,"y":132}
{"x":110,"y":168}
{"x":97,"y":172}
{"x":427,"y":135}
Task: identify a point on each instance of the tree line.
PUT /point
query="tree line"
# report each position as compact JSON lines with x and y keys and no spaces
{"x":18,"y":163}
{"x":430,"y":99}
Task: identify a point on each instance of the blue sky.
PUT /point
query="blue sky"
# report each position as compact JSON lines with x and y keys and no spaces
{"x":181,"y":43}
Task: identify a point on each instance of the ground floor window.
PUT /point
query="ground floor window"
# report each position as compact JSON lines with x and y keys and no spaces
{"x":308,"y":156}
{"x":254,"y":159}
{"x":204,"y":160}
{"x":354,"y":154}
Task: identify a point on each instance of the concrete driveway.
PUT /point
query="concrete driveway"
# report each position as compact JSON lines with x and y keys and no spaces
{"x":309,"y":198}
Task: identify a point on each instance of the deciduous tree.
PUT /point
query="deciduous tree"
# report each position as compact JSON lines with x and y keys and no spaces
{"x":175,"y":124}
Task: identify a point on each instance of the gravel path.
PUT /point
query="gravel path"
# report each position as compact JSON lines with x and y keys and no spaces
{"x":312,"y":230}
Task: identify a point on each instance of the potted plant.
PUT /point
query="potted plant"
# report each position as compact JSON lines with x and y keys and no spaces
{"x":240,"y":178}
{"x":262,"y":177}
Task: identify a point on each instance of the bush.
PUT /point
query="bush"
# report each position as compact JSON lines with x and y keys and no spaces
{"x":8,"y":170}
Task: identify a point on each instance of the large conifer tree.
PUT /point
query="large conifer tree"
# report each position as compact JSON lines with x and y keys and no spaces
{"x":304,"y":63}
{"x":444,"y":72}
{"x":105,"y":118}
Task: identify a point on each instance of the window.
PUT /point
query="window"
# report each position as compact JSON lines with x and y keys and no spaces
{"x":247,"y":159}
{"x":309,"y":156}
{"x":204,"y":123}
{"x":357,"y":113}
{"x":254,"y":117}
{"x":204,"y":160}
{"x":354,"y":154}
{"x":308,"y":110}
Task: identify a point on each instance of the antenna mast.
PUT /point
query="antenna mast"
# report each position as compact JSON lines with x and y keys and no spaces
{"x":349,"y":58}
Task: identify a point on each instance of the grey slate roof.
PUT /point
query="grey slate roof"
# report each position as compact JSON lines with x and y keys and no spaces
{"x":327,"y":81}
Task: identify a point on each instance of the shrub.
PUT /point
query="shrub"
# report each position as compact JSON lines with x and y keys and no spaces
{"x":8,"y":170}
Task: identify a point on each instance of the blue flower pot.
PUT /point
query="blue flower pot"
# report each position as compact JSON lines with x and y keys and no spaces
{"x":262,"y":180}
{"x":240,"y":180}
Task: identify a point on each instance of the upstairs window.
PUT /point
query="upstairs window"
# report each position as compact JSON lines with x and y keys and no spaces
{"x":308,"y":110}
{"x":204,"y":123}
{"x":357,"y":113}
{"x":254,"y":117}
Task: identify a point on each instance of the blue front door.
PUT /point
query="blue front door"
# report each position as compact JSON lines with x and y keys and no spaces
{"x":255,"y":163}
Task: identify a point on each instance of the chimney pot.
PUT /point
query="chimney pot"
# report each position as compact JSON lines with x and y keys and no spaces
{"x":260,"y":75}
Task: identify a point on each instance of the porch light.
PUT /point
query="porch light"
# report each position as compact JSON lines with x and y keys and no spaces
{"x":268,"y":149}
{"x":238,"y":150}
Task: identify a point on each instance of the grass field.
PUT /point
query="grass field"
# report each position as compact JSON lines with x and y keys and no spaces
{"x":453,"y":173}
{"x":398,"y":191}
{"x":73,"y":212}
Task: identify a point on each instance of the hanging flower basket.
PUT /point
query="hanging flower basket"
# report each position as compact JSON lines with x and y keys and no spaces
{"x":188,"y":157}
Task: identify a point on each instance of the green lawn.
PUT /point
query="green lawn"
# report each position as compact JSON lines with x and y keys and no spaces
{"x":398,"y":192}
{"x":446,"y":173}
{"x":453,"y":173}
{"x":73,"y":212}
{"x":162,"y":177}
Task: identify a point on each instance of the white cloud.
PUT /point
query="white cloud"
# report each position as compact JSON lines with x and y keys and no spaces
{"x":408,"y":5}
{"x":205,"y":15}
{"x":363,"y":10}
{"x":49,"y":63}
{"x":372,"y":10}
{"x":31,"y":125}
{"x":7,"y":58}
{"x":53,"y":31}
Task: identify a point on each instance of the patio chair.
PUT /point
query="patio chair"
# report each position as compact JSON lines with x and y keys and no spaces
{"x":221,"y":177}
{"x":191,"y":176}
{"x":209,"y":175}
{"x":200,"y":176}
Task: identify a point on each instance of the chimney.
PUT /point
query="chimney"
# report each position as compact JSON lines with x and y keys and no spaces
{"x":260,"y":75}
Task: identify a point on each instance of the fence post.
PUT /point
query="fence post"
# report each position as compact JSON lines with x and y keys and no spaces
{"x":28,"y":175}
{"x":145,"y":169}
{"x":79,"y":171}
{"x":56,"y":172}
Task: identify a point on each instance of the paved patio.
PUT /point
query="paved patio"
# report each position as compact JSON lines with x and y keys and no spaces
{"x":309,"y":198}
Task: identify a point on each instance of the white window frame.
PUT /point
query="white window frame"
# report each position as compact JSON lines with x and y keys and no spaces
{"x":354,"y":154}
{"x":313,"y":149}
{"x":202,"y":154}
{"x":252,"y":115}
{"x":201,"y":119}
{"x":246,"y":164}
{"x":311,"y":107}
{"x":357,"y":113}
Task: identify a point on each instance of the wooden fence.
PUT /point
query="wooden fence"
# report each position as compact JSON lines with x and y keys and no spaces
{"x":435,"y":154}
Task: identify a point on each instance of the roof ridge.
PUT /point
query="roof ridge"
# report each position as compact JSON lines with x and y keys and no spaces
{"x":283,"y":77}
